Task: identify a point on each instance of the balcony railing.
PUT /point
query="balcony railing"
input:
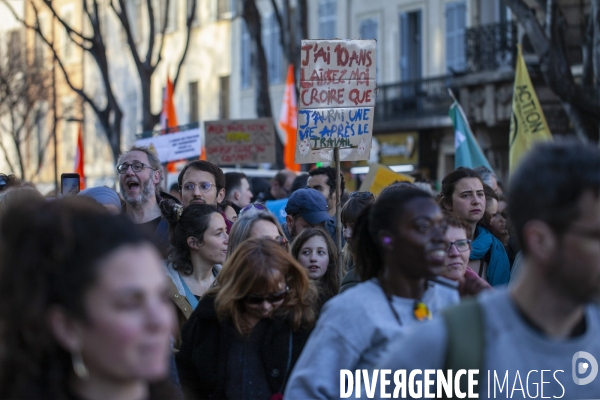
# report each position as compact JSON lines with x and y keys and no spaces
{"x":414,"y":99}
{"x":490,"y":47}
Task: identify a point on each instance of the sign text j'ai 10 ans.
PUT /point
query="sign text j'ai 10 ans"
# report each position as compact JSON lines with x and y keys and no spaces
{"x":336,"y":99}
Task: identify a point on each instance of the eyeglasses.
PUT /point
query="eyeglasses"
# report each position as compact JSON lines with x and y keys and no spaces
{"x":271,"y":298}
{"x":461,"y":245}
{"x":360,"y":195}
{"x":252,"y":206}
{"x":203,"y":186}
{"x":135,"y":167}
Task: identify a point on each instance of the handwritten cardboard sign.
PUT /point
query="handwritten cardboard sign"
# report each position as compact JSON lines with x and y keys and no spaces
{"x":336,"y":100}
{"x":250,"y":141}
{"x":174,"y":146}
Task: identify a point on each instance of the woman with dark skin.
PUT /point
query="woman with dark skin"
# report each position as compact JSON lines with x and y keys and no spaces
{"x":400,"y":246}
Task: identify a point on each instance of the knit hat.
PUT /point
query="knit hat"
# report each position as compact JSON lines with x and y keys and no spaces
{"x":103,"y":195}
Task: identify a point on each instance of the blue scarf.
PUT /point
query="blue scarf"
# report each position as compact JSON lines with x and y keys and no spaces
{"x":498,"y":270}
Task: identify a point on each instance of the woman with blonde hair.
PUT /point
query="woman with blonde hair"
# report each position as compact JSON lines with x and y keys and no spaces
{"x":256,"y":224}
{"x":247,"y":333}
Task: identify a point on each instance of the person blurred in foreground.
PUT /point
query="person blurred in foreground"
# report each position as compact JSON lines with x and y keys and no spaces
{"x":357,"y":201}
{"x":246,"y":334}
{"x":314,"y":249}
{"x":400,"y":245}
{"x":199,"y":240}
{"x":549,"y":317}
{"x":85,"y":315}
{"x":17,"y":195}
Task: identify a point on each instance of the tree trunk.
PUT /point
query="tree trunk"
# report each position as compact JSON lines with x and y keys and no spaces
{"x":252,"y":18}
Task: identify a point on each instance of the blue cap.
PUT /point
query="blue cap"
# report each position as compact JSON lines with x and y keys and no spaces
{"x":310,"y":204}
{"x":103,"y":195}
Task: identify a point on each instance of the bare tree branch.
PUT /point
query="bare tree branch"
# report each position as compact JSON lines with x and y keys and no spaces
{"x":553,"y":62}
{"x":68,"y":28}
{"x":162,"y":35}
{"x":189,"y":22}
{"x":148,"y":58}
{"x":124,"y":18}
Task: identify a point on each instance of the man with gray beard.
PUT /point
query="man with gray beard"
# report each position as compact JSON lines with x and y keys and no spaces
{"x":139,"y":176}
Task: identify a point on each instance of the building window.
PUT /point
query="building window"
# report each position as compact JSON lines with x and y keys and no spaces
{"x":172,"y":17}
{"x":14,"y":47}
{"x":456,"y":14}
{"x":369,"y":29}
{"x":223,"y":9}
{"x":38,"y":43}
{"x":410,"y":46}
{"x":327,"y":19}
{"x":273,"y":51}
{"x":246,"y":59}
{"x":224,"y":97}
{"x":193,"y":102}
{"x":67,"y":44}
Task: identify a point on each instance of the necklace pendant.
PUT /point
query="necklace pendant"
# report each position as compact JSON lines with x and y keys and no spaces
{"x":421,"y":311}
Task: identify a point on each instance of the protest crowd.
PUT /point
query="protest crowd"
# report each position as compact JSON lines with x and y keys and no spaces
{"x":202,"y":293}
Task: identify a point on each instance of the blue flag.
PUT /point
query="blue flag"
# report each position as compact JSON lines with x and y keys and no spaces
{"x":468,"y":153}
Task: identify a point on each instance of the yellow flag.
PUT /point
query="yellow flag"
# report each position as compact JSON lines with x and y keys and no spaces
{"x":527,"y":122}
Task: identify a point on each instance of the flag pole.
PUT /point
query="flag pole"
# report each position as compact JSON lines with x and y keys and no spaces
{"x":451,"y":93}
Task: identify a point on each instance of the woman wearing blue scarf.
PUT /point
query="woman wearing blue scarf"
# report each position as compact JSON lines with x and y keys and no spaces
{"x":462,"y":194}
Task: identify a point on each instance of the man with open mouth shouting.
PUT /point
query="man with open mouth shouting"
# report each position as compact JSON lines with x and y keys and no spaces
{"x":139,"y":177}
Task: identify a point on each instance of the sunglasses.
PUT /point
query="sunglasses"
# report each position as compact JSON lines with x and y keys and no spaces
{"x":135,"y":167}
{"x":361,"y":195}
{"x":253,"y":206}
{"x":461,"y":245}
{"x":271,"y":298}
{"x":282,"y":241}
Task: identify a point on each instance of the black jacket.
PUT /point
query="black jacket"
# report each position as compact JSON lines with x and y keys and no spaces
{"x":202,"y":360}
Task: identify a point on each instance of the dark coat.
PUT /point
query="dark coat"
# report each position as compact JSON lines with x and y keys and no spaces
{"x":202,"y":360}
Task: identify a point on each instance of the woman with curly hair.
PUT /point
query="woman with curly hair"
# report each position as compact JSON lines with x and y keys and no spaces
{"x":83,"y":305}
{"x":198,"y":236}
{"x":314,"y":249}
{"x":247,"y":333}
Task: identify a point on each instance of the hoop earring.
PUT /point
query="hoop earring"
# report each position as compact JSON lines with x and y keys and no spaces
{"x":78,"y":366}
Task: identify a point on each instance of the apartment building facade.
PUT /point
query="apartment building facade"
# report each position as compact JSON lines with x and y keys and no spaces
{"x":425,"y":47}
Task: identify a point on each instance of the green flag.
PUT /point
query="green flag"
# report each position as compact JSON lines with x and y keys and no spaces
{"x":468,"y":153}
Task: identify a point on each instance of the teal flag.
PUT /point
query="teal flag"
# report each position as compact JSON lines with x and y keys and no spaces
{"x":468,"y":153}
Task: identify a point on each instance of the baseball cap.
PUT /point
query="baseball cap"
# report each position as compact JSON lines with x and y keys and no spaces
{"x":310,"y":204}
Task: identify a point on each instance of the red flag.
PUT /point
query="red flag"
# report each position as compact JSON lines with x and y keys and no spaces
{"x":168,"y":117}
{"x":288,"y":121}
{"x":79,"y":158}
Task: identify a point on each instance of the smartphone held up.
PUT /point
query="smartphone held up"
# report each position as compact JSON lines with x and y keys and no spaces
{"x":69,"y":184}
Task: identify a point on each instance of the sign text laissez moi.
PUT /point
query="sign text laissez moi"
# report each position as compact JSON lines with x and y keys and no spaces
{"x":336,"y":99}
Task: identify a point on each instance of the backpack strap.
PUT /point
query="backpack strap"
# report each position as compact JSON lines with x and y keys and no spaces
{"x":466,"y":344}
